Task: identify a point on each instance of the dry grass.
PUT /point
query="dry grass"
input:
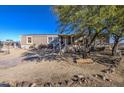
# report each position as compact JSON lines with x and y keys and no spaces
{"x":12,"y":59}
{"x":46,"y":71}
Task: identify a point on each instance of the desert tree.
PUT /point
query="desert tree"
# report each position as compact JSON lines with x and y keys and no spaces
{"x":88,"y":21}
{"x":115,"y":25}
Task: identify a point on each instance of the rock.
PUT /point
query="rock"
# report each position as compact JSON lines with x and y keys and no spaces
{"x":109,"y":80}
{"x":4,"y":85}
{"x":112,"y":70}
{"x":105,"y":71}
{"x":60,"y":83}
{"x":34,"y":85}
{"x":109,"y":71}
{"x":18,"y":84}
{"x":103,"y":77}
{"x":26,"y":84}
{"x":64,"y":83}
{"x":57,"y":85}
{"x":80,"y":76}
{"x":70,"y":83}
{"x":75,"y":84}
{"x":95,"y":75}
{"x":23,"y":84}
{"x":75,"y":78}
{"x":48,"y":84}
{"x":84,"y":80}
{"x":80,"y":82}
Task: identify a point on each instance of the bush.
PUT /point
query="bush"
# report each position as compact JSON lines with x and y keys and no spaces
{"x":32,"y":46}
{"x":100,"y":48}
{"x":50,"y":46}
{"x":41,"y":46}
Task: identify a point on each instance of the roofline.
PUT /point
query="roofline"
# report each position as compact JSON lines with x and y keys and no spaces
{"x":49,"y":34}
{"x":37,"y":34}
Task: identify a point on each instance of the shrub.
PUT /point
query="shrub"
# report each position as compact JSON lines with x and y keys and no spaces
{"x":32,"y":46}
{"x":42,"y":46}
{"x":100,"y":48}
{"x":50,"y":46}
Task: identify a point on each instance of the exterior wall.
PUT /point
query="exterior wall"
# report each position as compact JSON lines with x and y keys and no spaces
{"x":23,"y":40}
{"x":36,"y":39}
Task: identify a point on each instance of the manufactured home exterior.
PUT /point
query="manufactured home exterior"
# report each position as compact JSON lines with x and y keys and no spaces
{"x":37,"y":39}
{"x":55,"y":39}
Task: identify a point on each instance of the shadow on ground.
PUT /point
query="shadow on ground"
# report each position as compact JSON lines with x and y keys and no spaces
{"x":42,"y":55}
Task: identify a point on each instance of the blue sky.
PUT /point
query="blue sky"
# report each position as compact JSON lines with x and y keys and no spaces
{"x":18,"y":20}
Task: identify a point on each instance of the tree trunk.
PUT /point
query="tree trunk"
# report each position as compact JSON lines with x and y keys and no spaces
{"x":114,"y":48}
{"x":92,"y":40}
{"x":88,"y":45}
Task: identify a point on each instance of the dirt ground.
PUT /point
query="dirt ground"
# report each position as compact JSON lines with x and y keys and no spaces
{"x":13,"y":69}
{"x":12,"y":59}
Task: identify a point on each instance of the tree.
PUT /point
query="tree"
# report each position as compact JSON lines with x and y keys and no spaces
{"x":86,"y":20}
{"x":91,"y":21}
{"x":115,"y":24}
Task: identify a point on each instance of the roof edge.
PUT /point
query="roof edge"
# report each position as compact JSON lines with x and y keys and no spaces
{"x":37,"y":34}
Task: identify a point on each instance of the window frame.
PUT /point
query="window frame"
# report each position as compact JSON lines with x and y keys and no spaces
{"x":28,"y":41}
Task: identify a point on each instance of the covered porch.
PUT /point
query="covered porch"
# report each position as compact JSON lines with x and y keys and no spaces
{"x":67,"y":39}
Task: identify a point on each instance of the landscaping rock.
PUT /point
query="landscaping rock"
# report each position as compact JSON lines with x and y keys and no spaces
{"x":70,"y":83}
{"x":48,"y":84}
{"x":80,"y":76}
{"x":18,"y":84}
{"x":95,"y":75}
{"x":109,"y":80}
{"x":75,"y":78}
{"x":34,"y":85}
{"x":84,"y":80}
{"x":57,"y":85}
{"x":103,"y":77}
{"x":26,"y":84}
{"x":64,"y":83}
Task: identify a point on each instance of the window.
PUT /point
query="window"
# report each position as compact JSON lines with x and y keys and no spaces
{"x":52,"y":39}
{"x":55,"y":38}
{"x":49,"y":39}
{"x":29,"y":40}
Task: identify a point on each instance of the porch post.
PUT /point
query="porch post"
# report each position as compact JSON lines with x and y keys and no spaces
{"x":60,"y":45}
{"x":71,"y":40}
{"x":65,"y":41}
